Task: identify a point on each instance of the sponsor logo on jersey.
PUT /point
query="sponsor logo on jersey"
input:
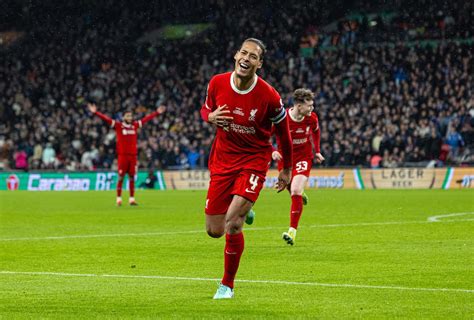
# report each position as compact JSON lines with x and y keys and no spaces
{"x":242,"y":129}
{"x":13,"y":182}
{"x":300,"y":141}
{"x":128,"y":132}
{"x":253,"y":112}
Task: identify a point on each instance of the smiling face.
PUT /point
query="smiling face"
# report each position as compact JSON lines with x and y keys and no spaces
{"x":305,"y":108}
{"x":248,"y":59}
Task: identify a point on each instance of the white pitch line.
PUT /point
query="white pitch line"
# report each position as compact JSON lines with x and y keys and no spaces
{"x":441,"y":216}
{"x":146,"y":234}
{"x":101,"y":235}
{"x":292,"y":283}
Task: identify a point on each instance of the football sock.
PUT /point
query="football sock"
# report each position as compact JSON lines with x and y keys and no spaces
{"x":234,"y":246}
{"x":131,"y":184}
{"x":296,"y":210}
{"x":119,"y":188}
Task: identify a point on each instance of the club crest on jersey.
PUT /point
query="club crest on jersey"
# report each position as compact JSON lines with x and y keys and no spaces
{"x":252,"y":114}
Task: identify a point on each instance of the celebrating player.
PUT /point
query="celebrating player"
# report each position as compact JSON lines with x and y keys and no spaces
{"x":243,"y":107}
{"x":303,"y":125}
{"x":126,"y":132}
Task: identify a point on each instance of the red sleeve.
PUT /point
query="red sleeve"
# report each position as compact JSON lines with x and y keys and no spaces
{"x":205,"y":113}
{"x":110,"y":121}
{"x":209,"y":105}
{"x":316,"y":135}
{"x":147,"y":118}
{"x":277,"y":138}
{"x":277,"y":111}
{"x":282,"y":130}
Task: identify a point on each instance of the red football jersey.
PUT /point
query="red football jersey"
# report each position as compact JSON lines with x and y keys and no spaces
{"x":126,"y":133}
{"x":301,"y":131}
{"x":246,"y":143}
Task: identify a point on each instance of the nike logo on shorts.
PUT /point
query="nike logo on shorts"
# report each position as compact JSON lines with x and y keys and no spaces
{"x":249,"y":191}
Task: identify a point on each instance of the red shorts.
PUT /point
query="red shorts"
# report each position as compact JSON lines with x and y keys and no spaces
{"x":299,"y":167}
{"x":222,"y":188}
{"x":127,"y":164}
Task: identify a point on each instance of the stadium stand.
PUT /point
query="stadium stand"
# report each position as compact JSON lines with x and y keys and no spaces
{"x":394,"y":88}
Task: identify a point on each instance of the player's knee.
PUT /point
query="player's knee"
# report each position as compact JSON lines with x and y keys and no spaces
{"x":233,"y":226}
{"x":297,"y":192}
{"x":215,"y":233}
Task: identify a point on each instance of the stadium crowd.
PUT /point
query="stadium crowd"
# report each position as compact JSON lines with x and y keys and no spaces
{"x":378,"y":104}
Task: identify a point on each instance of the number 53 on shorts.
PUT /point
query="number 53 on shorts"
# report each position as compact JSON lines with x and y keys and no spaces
{"x":302,"y":167}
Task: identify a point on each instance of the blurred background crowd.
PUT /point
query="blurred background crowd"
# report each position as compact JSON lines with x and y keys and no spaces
{"x":393,"y":79}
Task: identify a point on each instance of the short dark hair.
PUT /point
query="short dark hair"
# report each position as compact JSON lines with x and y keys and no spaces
{"x":127,"y":111}
{"x":259,"y":43}
{"x":301,"y":95}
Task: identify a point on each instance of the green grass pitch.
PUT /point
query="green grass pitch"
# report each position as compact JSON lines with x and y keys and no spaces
{"x":358,"y":254}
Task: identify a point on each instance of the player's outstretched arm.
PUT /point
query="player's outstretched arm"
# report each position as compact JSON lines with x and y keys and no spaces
{"x":161,"y":109}
{"x":282,"y":131}
{"x":93,"y":108}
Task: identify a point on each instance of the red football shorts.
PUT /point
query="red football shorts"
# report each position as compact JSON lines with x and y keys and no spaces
{"x":127,"y":164}
{"x":299,"y":167}
{"x":222,"y":188}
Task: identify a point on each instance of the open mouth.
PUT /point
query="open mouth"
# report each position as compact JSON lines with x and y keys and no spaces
{"x":244,"y":66}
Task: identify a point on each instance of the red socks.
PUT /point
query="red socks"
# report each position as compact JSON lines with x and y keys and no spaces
{"x":119,"y":188}
{"x":234,"y":246}
{"x":296,"y":210}
{"x":131,"y":184}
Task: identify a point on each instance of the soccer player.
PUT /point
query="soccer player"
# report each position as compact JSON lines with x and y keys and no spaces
{"x":243,"y":107}
{"x":303,"y":126}
{"x":126,"y":132}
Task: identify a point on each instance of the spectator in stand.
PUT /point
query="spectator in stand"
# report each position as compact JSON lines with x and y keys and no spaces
{"x":21,"y":160}
{"x":454,"y":140}
{"x":48,"y":157}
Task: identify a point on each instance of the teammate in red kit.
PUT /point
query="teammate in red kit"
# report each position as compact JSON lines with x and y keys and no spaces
{"x":126,"y":132}
{"x":243,"y":107}
{"x":303,"y":126}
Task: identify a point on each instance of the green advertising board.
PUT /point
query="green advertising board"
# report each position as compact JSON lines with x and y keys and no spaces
{"x":71,"y":181}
